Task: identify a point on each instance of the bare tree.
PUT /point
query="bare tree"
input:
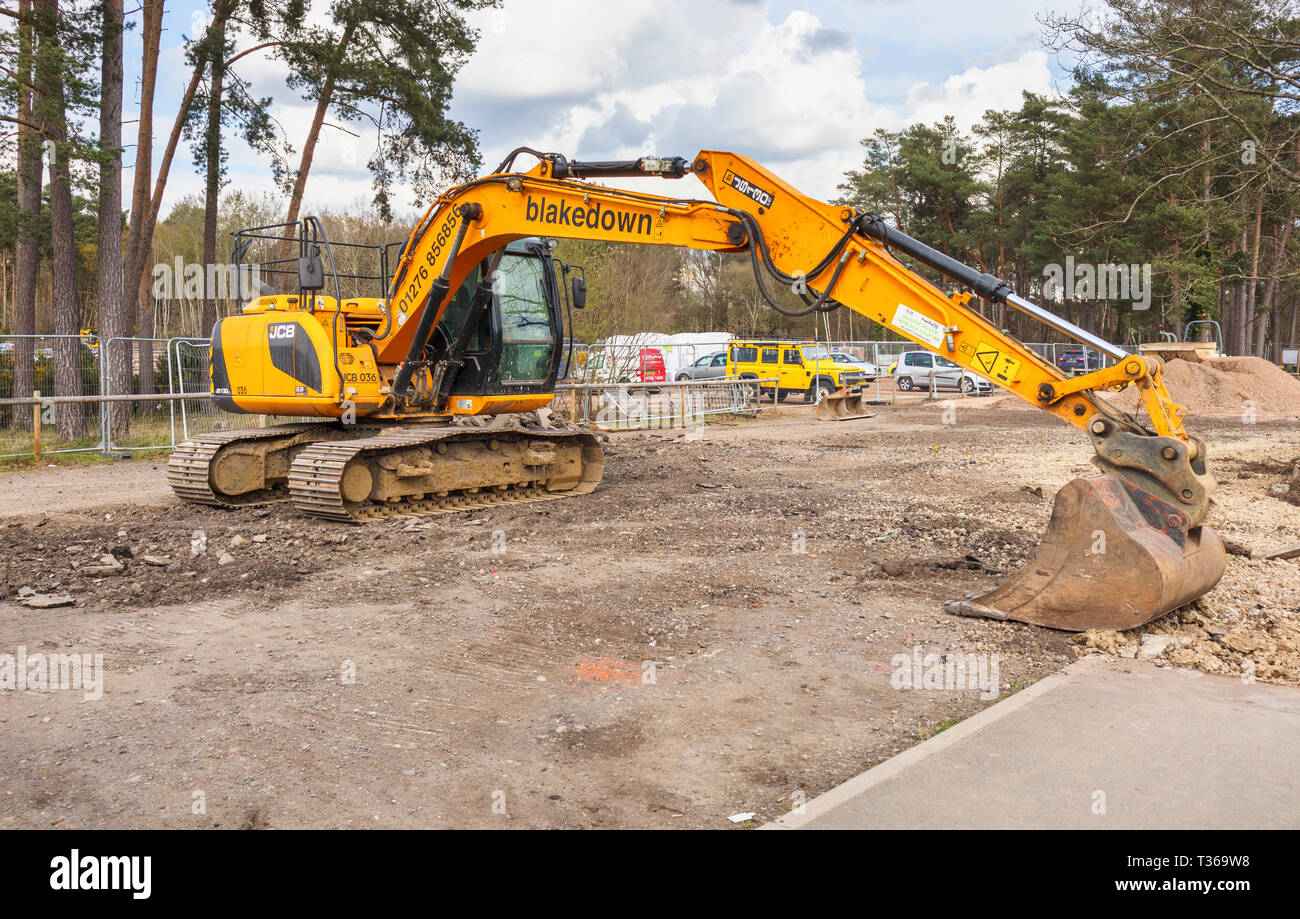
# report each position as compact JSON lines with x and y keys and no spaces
{"x":136,"y":278}
{"x":27,"y":250}
{"x":212,"y":153}
{"x":51,"y":69}
{"x":137,"y":243}
{"x":114,"y":311}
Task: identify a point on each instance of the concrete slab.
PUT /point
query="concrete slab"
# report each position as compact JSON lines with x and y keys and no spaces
{"x":1104,"y":744}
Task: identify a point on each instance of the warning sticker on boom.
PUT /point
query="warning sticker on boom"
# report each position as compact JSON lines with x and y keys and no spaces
{"x":918,"y":326}
{"x":990,"y":361}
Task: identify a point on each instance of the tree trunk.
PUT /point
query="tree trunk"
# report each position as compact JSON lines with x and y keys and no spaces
{"x":1271,"y":286}
{"x":1295,"y":314}
{"x":309,"y":151}
{"x":137,"y":247}
{"x":71,"y":419}
{"x":212,"y":189}
{"x":1252,"y":291}
{"x":27,"y":251}
{"x":114,"y":312}
{"x":136,"y":276}
{"x":146,"y":332}
{"x":313,"y":135}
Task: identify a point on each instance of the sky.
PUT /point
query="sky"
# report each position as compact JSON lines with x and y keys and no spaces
{"x":794,"y":85}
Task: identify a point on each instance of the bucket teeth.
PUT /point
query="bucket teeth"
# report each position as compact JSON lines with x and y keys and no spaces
{"x":1114,"y":557}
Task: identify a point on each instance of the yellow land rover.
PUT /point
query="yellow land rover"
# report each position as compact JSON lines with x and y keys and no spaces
{"x":798,"y":367}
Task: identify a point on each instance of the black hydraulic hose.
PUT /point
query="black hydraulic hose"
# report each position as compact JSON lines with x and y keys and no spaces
{"x":818,"y":305}
{"x":509,"y":161}
{"x":758,"y":244}
{"x":437,"y":291}
{"x":755,"y":232}
{"x":986,"y":286}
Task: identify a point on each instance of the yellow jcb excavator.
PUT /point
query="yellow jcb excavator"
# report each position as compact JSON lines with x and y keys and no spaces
{"x":431,"y":388}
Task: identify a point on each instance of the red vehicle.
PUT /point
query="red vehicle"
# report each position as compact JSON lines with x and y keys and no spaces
{"x":628,"y":364}
{"x":651,"y":368}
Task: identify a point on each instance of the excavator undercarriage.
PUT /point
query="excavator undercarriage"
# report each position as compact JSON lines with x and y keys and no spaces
{"x":435,"y":391}
{"x":358,"y":473}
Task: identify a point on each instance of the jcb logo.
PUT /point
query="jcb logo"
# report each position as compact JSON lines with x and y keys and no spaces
{"x":281,"y":330}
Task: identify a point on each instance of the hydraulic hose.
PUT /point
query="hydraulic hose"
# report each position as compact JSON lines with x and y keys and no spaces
{"x":437,"y":291}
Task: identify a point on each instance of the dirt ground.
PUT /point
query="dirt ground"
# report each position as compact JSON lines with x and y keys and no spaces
{"x":658,"y":653}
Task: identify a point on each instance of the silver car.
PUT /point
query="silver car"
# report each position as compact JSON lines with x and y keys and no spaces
{"x":921,"y":368}
{"x":709,"y":367}
{"x":871,"y":370}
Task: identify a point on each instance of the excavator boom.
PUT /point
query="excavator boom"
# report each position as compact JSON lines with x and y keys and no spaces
{"x":1120,"y":549}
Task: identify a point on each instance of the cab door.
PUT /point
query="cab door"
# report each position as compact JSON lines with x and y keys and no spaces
{"x":513,"y":348}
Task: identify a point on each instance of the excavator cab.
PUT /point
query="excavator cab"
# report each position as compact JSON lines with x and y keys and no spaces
{"x":514,"y":345}
{"x":313,"y":306}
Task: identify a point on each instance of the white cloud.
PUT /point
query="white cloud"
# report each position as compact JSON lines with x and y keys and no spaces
{"x":605,"y":80}
{"x":967,"y":96}
{"x":795,"y":95}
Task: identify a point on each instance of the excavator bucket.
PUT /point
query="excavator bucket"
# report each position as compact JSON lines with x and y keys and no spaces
{"x":842,"y":406}
{"x":1114,"y":557}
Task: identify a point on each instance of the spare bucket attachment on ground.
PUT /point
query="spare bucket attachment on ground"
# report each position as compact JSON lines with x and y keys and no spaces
{"x":842,"y":406}
{"x":1114,"y":557}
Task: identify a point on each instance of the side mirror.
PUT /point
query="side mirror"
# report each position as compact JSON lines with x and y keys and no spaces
{"x":579,"y":293}
{"x":311,"y":272}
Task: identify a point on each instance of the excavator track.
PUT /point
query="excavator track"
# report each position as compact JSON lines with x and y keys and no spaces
{"x":191,"y":467}
{"x":441,"y":470}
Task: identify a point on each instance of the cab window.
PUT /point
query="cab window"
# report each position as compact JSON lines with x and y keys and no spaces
{"x":453,"y":317}
{"x":917,"y":359}
{"x":745,"y":355}
{"x":792,"y":357}
{"x":720,"y":360}
{"x":769,"y":355}
{"x":703,"y":362}
{"x":527,"y":338}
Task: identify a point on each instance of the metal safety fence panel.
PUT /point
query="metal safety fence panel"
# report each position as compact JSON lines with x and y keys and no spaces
{"x":142,"y":422}
{"x":50,"y":365}
{"x":637,"y":406}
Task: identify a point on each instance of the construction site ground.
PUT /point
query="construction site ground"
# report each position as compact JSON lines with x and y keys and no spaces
{"x":709,"y":634}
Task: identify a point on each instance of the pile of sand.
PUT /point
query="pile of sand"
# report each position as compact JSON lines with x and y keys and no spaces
{"x":1224,"y":384}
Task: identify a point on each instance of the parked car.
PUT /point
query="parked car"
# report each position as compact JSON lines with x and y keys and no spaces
{"x":1078,"y":360}
{"x":918,"y":368}
{"x":797,"y":367}
{"x":865,"y":366}
{"x":709,"y":367}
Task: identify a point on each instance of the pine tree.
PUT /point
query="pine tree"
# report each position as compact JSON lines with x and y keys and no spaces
{"x":390,"y":63}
